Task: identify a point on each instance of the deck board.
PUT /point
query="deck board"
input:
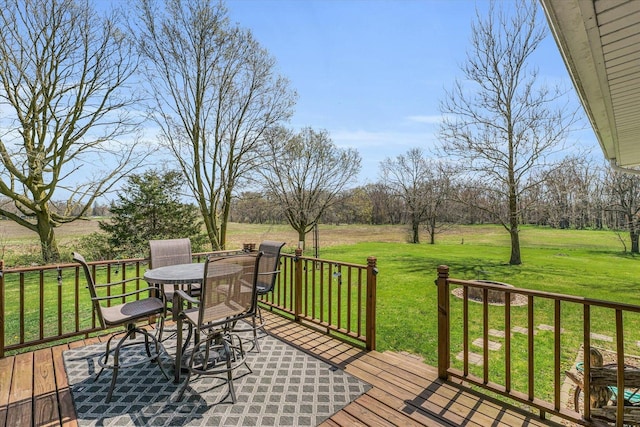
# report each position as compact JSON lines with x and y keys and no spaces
{"x":65,"y":400}
{"x":20,"y":407}
{"x":45,"y":400}
{"x":34,"y":389}
{"x":6,"y":373}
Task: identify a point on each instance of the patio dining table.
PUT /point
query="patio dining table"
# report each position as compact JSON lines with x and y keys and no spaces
{"x":178,"y":274}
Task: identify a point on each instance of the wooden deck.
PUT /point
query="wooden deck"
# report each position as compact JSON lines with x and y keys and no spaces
{"x":34,"y":390}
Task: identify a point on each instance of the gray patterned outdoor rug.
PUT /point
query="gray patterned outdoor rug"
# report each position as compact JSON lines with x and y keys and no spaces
{"x":287,"y":387}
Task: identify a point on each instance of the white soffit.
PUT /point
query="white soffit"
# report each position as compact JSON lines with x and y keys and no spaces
{"x":600,"y":43}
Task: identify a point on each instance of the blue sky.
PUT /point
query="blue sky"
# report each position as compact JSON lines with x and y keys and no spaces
{"x":372,"y":72}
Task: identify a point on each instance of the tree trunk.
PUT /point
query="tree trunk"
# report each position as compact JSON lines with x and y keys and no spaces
{"x":226,"y":210}
{"x":633,"y":235}
{"x":301,"y":237}
{"x":48,"y":243}
{"x":415,"y":232}
{"x":211,"y":226}
{"x":432,"y":231}
{"x":515,"y":246}
{"x":514,"y":230}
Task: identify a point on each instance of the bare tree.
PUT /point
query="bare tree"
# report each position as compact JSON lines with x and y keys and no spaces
{"x":64,"y":99}
{"x":569,"y":195}
{"x":504,"y":125}
{"x":423,"y":185}
{"x":384,"y":205}
{"x":214,"y":94}
{"x":624,"y":194}
{"x":305,"y":173}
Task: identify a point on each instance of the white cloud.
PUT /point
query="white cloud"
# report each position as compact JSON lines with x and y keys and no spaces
{"x":374,"y":147}
{"x":434,"y":119}
{"x":392,"y":141}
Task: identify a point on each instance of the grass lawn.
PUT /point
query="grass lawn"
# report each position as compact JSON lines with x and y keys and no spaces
{"x":582,"y":263}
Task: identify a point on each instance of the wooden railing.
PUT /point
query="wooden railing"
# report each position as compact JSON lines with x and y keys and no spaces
{"x":524,"y":350}
{"x":336,"y":296}
{"x":40,"y":305}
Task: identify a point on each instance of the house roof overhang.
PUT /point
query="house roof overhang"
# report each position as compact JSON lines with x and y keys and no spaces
{"x":599,"y":41}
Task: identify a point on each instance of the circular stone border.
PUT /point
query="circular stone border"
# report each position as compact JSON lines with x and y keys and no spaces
{"x":516,"y":299}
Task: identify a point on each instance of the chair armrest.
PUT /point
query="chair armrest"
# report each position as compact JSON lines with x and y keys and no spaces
{"x":126,"y":294}
{"x":185,"y":296}
{"x":119,"y":282}
{"x":264,"y":273}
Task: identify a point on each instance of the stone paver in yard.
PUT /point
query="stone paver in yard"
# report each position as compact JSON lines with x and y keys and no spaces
{"x":500,"y":334}
{"x":474,"y":358}
{"x":601,"y":337}
{"x":521,"y":330}
{"x":549,"y":328}
{"x":491,"y":344}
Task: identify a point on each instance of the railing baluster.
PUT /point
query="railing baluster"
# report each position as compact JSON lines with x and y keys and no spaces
{"x":41,"y":303}
{"x":530,"y":335}
{"x":556,"y":354}
{"x":2,"y":308}
{"x":339,"y":297}
{"x":620,"y":373}
{"x":349,"y":302}
{"x":359,"y":331}
{"x":507,"y":341}
{"x":313,"y":297}
{"x":322,"y":295}
{"x":76,"y":302}
{"x":59,"y":293}
{"x":306,"y":293}
{"x":21,"y":308}
{"x":485,"y":334}
{"x":586,"y":350}
{"x":465,"y":330}
{"x":329,"y":293}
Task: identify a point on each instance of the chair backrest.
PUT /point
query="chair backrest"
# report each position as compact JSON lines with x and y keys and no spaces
{"x":222,"y":298}
{"x":91,"y":285}
{"x":269,"y":266}
{"x":169,"y":252}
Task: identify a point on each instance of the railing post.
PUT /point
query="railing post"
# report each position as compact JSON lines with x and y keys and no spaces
{"x":297,"y":292}
{"x":443,"y":322}
{"x":370,"y":328}
{"x":2,"y":313}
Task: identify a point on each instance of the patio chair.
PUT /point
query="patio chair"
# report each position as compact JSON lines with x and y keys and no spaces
{"x":216,"y":349}
{"x":268,"y":270}
{"x":125,"y":314}
{"x":171,"y":252}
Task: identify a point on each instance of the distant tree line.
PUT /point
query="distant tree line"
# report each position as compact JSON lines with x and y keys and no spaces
{"x":578,"y":195}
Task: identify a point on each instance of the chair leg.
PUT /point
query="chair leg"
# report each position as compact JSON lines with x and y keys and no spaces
{"x":256,"y":344}
{"x":228,"y":355}
{"x":195,"y":348}
{"x":160,"y":327}
{"x":116,"y":361}
{"x":155,"y":358}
